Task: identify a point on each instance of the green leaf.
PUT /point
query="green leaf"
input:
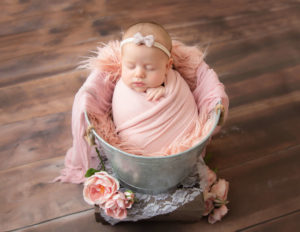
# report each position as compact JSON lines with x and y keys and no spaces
{"x":215,"y":170}
{"x":207,"y":157}
{"x":90,"y":172}
{"x":128,"y":190}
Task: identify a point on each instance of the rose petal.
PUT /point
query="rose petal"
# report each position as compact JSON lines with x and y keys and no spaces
{"x":115,"y":206}
{"x":221,"y":189}
{"x":217,"y":214}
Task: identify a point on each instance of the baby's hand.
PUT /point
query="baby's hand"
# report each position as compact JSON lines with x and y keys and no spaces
{"x":154,"y":94}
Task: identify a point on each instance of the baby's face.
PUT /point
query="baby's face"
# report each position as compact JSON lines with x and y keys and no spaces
{"x":143,"y":67}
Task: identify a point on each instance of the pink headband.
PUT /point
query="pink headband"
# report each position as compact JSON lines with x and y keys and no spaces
{"x":146,"y":40}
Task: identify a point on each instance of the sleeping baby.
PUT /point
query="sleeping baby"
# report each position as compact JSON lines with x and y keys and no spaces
{"x":160,"y":92}
{"x":153,"y":107}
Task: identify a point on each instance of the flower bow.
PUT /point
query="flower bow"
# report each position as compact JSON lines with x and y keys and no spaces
{"x":147,"y":40}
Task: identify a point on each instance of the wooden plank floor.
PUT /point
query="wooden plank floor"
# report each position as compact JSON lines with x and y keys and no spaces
{"x":254,"y":47}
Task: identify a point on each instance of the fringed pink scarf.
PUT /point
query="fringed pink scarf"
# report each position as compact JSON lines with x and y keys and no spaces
{"x":95,"y":96}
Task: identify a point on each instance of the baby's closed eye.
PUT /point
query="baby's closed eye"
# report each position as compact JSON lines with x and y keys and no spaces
{"x":130,"y":66}
{"x":150,"y":67}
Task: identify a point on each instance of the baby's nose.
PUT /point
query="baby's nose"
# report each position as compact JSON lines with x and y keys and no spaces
{"x":140,"y":72}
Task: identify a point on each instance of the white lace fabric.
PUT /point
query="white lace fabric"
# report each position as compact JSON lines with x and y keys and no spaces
{"x":148,"y":206}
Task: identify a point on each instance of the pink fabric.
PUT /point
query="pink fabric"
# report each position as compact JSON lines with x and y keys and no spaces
{"x":95,"y":96}
{"x":152,"y":126}
{"x":80,"y":156}
{"x":209,"y":92}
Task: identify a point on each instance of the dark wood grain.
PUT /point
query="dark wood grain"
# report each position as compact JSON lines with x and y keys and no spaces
{"x":255,"y":56}
{"x":27,"y":196}
{"x":252,"y":45}
{"x":58,"y":43}
{"x":40,"y":97}
{"x":33,"y":140}
{"x":256,"y":130}
{"x":289,"y":222}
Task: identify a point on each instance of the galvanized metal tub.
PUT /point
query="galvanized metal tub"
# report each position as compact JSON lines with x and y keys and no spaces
{"x":152,"y":175}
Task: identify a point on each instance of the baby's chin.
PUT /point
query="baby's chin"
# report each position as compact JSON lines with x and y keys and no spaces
{"x":139,"y":89}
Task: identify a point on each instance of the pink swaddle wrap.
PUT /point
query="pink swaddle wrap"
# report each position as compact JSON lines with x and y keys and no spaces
{"x":152,"y":126}
{"x":95,"y":97}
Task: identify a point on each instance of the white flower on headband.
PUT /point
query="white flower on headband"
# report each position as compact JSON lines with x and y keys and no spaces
{"x":147,"y":40}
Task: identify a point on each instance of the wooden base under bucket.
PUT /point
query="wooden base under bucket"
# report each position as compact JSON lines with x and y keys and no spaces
{"x":189,"y":212}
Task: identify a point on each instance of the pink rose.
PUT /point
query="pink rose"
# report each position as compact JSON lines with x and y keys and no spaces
{"x":220,"y":189}
{"x":211,"y":177}
{"x":209,"y":206}
{"x":217,"y":214}
{"x":99,"y":188}
{"x":116,"y":206}
{"x":208,"y":202}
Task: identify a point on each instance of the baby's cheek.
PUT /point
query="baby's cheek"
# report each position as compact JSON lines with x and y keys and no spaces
{"x":158,"y":78}
{"x":126,"y":74}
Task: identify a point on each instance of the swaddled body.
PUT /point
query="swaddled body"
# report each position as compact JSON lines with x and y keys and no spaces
{"x":152,"y":126}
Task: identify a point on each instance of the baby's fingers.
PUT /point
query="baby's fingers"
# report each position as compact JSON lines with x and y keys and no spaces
{"x":158,"y":95}
{"x":150,"y":95}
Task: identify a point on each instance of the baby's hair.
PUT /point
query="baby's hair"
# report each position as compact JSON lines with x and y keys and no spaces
{"x":145,"y":28}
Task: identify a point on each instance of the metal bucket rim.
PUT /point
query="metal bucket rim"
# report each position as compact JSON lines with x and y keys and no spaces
{"x":155,"y":157}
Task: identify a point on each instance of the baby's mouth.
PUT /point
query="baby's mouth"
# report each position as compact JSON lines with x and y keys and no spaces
{"x":138,"y":84}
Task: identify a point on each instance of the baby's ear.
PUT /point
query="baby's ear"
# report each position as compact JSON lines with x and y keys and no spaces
{"x":169,"y":64}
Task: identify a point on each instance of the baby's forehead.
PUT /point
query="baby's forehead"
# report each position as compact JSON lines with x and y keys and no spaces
{"x":132,"y":52}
